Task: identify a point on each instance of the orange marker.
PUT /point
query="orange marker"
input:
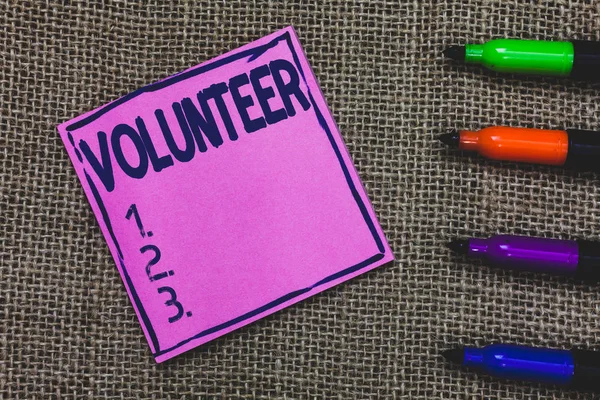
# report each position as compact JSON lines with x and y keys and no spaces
{"x":573,"y":147}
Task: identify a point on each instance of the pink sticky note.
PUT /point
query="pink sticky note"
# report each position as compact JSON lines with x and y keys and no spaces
{"x":225,"y":193}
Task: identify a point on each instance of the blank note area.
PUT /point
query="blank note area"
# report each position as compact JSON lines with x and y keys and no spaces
{"x":275,"y":216}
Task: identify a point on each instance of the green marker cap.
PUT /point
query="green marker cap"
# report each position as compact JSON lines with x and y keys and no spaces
{"x":523,"y":56}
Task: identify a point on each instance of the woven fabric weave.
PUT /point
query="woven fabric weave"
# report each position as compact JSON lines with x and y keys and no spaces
{"x":67,"y":329}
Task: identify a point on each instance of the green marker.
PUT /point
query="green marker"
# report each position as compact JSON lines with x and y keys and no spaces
{"x":578,"y":59}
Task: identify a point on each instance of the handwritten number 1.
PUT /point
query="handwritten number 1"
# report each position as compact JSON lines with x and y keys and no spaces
{"x":133,"y":211}
{"x":172,"y":302}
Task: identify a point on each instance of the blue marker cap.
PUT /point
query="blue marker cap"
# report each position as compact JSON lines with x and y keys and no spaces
{"x":527,"y":363}
{"x":521,"y":362}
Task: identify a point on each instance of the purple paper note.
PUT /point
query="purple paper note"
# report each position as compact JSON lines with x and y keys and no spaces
{"x":225,"y":193}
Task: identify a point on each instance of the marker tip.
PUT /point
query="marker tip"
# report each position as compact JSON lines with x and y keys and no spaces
{"x":460,"y":246}
{"x":455,"y":356}
{"x":451,"y":138}
{"x":455,"y":52}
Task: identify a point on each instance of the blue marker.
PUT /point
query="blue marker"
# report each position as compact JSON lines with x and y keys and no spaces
{"x":579,"y":369}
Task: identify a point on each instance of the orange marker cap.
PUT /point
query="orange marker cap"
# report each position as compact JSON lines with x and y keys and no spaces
{"x":538,"y":146}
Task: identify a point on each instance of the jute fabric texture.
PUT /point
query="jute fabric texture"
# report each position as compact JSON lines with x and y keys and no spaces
{"x":67,"y":329}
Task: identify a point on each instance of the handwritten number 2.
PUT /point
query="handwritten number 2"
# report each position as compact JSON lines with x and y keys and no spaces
{"x":172,"y":302}
{"x":153,"y":262}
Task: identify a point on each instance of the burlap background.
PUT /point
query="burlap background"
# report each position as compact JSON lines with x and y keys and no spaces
{"x":67,"y":329}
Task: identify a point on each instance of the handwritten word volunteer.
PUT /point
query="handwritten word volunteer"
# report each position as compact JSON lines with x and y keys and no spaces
{"x":197,"y":125}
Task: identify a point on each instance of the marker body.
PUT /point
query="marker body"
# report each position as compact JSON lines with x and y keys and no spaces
{"x":571,"y":148}
{"x":578,"y":59}
{"x":579,"y":369}
{"x":567,"y":257}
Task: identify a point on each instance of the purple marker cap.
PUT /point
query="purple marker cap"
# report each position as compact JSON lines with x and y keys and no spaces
{"x":568,"y":257}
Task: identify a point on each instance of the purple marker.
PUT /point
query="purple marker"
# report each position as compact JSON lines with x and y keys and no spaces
{"x":568,"y":257}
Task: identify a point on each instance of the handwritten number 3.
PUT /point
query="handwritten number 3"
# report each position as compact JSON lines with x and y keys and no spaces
{"x":172,"y":302}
